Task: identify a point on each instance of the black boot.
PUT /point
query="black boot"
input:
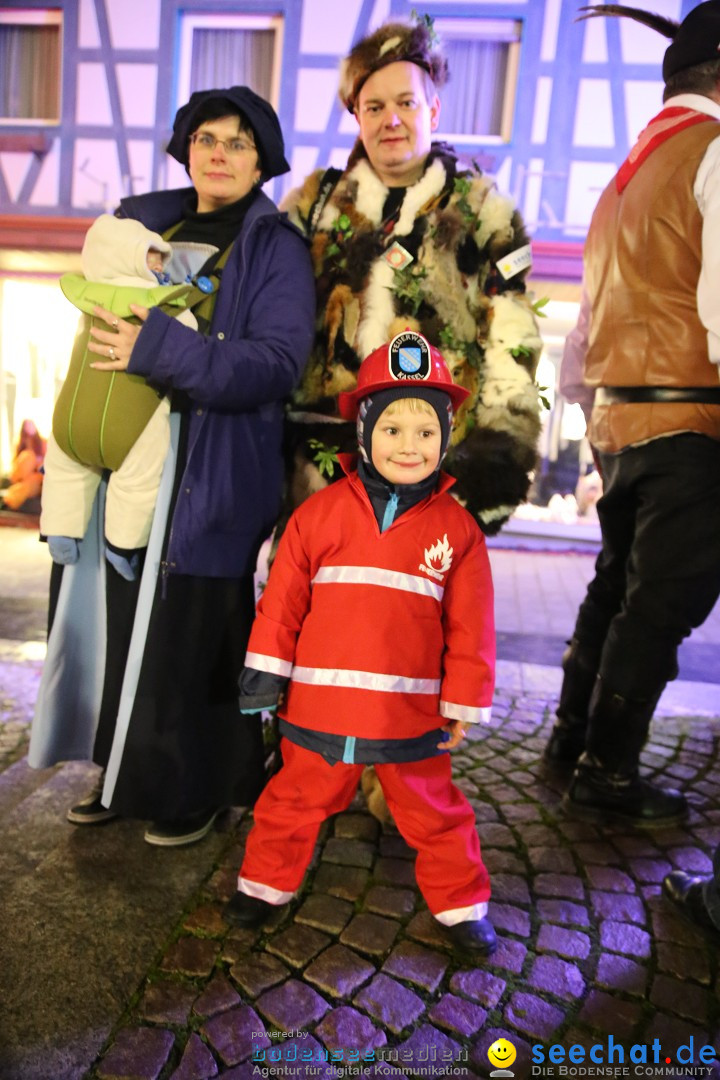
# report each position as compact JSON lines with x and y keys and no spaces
{"x":248,"y":911}
{"x":606,"y":785}
{"x":687,"y":892}
{"x":477,"y":935}
{"x":567,"y":739}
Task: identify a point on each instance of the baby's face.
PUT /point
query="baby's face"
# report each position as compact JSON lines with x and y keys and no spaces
{"x":154,"y":260}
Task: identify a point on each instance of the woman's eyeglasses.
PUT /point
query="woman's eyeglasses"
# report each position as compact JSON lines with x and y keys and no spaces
{"x":203,"y":140}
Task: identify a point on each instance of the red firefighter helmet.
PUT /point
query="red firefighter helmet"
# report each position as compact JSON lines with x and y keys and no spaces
{"x":409,"y":358}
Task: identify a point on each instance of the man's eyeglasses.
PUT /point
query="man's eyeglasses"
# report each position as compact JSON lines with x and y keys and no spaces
{"x":203,"y":140}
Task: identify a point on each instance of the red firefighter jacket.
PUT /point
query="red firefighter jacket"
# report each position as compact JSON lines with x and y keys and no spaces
{"x":379,"y":633}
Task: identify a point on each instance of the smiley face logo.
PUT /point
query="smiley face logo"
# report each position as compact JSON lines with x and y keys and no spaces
{"x":502,"y":1053}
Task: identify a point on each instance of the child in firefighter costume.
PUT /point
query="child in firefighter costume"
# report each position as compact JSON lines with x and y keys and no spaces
{"x":395,"y":678}
{"x":112,"y":420}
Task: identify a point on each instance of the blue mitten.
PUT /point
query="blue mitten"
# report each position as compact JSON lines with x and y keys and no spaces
{"x":64,"y":550}
{"x":127,"y":568}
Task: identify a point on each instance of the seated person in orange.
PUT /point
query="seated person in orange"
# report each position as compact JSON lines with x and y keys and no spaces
{"x":25,"y":476}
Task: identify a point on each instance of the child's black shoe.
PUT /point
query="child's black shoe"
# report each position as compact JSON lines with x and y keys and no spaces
{"x":248,"y":911}
{"x":477,"y":935}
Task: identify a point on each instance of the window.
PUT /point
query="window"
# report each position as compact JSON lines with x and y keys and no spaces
{"x":30,"y":66}
{"x":479,"y":99}
{"x":230,"y":50}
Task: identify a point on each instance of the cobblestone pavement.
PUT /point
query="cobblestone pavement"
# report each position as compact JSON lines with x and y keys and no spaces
{"x":590,"y":954}
{"x":588,"y":949}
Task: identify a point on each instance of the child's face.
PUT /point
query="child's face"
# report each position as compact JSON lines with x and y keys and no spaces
{"x":406,"y":445}
{"x":154,"y":260}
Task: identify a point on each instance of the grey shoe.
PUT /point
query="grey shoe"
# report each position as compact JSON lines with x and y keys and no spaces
{"x":183,"y":831}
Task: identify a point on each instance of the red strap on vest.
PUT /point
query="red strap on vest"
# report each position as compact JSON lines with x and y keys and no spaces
{"x":666,"y":124}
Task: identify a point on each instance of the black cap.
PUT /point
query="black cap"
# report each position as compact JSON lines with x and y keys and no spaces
{"x":697,"y":39}
{"x":372,"y":407}
{"x":260,"y":115}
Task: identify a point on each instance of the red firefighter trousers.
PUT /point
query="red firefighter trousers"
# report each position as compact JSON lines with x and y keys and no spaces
{"x":433,"y":816}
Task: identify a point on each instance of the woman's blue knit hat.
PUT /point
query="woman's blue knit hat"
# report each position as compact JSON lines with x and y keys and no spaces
{"x":259,"y":114}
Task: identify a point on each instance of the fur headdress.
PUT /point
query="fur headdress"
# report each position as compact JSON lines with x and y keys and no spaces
{"x":694,"y":41}
{"x":392,"y":42}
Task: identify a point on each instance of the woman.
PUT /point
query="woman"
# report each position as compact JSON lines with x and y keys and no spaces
{"x":25,"y":475}
{"x":163,"y":720}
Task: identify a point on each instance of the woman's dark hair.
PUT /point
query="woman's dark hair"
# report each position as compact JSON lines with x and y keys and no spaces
{"x":218,"y":107}
{"x":33,"y":442}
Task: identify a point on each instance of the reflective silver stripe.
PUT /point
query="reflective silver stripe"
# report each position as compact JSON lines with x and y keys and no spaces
{"x":465,"y":713}
{"x":273,"y":664}
{"x":375,"y":575}
{"x":462,"y":914}
{"x":264,"y":892}
{"x":365,"y":680}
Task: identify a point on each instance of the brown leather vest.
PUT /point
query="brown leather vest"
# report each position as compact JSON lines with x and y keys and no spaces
{"x":642,"y":266}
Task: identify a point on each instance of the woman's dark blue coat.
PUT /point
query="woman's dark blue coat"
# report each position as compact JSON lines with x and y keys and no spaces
{"x":237,"y":379}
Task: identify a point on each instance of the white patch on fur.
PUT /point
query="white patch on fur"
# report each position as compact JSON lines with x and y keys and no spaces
{"x":291,"y":207}
{"x":371,"y":196}
{"x":378,"y":309}
{"x":388,"y":45}
{"x":495,"y":217}
{"x":504,"y":378}
{"x":496,"y":513}
{"x":371,"y":192}
{"x":430,"y":184}
{"x":513,"y":324}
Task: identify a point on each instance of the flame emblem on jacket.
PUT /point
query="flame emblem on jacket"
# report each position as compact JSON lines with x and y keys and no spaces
{"x":438,"y":559}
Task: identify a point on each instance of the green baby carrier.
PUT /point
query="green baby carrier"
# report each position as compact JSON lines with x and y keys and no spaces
{"x":99,"y":415}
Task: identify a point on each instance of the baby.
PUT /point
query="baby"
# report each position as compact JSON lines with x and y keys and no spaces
{"x":123,"y":263}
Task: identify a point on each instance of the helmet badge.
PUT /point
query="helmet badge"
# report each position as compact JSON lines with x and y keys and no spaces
{"x":409,"y":357}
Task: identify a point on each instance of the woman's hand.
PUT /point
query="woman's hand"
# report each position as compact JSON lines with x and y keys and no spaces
{"x":115,"y":345}
{"x":456,"y":731}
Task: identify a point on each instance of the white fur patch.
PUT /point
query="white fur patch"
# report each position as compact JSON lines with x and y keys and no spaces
{"x":504,"y":378}
{"x":388,"y":45}
{"x":371,"y":193}
{"x":496,"y":513}
{"x":378,"y":309}
{"x":431,"y":183}
{"x":496,"y":217}
{"x":513,"y":324}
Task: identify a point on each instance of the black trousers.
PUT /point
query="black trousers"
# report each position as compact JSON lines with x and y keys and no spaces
{"x":658,"y":573}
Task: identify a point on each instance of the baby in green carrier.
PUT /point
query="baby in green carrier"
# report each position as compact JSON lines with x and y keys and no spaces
{"x":112,"y":420}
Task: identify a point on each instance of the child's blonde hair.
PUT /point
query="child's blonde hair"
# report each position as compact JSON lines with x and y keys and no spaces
{"x":414,"y":404}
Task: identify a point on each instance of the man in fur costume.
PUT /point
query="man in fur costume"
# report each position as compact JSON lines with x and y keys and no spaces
{"x":652,"y":277}
{"x":404,"y":238}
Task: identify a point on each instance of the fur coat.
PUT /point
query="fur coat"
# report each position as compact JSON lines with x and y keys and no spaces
{"x":431,"y":265}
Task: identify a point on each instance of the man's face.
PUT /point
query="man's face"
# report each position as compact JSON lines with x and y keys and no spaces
{"x":396,"y":122}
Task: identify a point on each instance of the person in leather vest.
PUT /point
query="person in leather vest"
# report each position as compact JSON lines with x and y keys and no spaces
{"x":652,"y":350}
